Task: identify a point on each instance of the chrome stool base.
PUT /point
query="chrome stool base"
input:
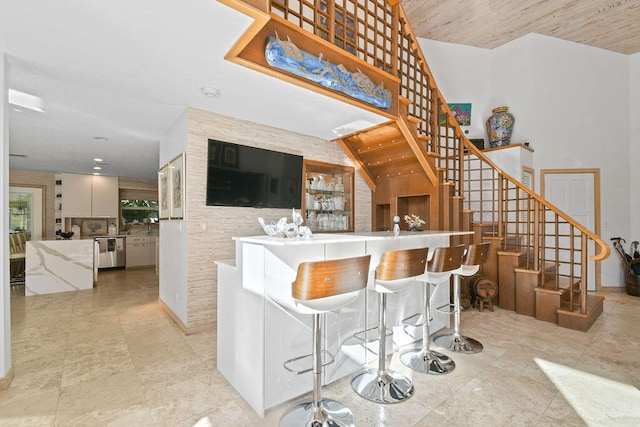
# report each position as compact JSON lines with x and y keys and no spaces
{"x":427,"y":361}
{"x":382,"y":386}
{"x":328,"y":414}
{"x":458,"y":343}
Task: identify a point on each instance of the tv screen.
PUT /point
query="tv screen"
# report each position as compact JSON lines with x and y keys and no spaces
{"x":238,"y":175}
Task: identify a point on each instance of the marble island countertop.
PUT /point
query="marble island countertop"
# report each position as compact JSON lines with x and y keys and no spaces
{"x":58,"y":266}
{"x":321,"y":238}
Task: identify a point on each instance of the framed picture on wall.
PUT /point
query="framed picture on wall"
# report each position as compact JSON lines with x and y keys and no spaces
{"x":163,"y":192}
{"x":177,"y":185}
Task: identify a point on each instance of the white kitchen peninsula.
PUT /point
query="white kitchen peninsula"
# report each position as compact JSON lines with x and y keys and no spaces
{"x":58,"y":266}
{"x":256,"y":335}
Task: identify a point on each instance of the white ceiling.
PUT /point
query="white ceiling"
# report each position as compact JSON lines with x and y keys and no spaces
{"x":125,"y":70}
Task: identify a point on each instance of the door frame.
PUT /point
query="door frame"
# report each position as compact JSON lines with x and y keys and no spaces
{"x":596,"y":202}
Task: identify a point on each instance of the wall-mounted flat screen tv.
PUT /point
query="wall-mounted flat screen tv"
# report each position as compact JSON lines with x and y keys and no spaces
{"x":239,"y":175}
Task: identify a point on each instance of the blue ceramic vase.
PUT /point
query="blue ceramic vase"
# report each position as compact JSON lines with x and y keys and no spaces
{"x":500,"y":126}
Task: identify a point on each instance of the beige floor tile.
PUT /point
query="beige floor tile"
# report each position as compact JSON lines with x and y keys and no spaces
{"x":101,"y":400}
{"x":28,"y":408}
{"x":171,"y":405}
{"x":111,"y":356}
{"x":88,"y":360}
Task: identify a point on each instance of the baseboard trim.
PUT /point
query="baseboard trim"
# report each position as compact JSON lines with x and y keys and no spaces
{"x":5,"y":381}
{"x":613,"y":289}
{"x":184,"y":328}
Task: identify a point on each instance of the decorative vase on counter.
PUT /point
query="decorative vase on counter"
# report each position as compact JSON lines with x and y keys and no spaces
{"x":500,"y":126}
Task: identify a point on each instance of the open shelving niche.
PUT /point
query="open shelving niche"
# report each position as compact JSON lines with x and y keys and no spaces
{"x":328,"y":207}
{"x":59,"y":224}
{"x":417,"y":204}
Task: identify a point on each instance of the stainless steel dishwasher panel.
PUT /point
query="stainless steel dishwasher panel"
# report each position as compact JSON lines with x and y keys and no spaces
{"x":111,"y":252}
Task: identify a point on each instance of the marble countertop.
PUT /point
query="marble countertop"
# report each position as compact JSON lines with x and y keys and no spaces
{"x":321,"y":238}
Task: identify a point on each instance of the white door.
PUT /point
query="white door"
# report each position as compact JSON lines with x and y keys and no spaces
{"x":574,"y":194}
{"x":25,"y":207}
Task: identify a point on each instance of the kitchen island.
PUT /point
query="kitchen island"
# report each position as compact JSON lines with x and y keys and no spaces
{"x":58,"y":266}
{"x":256,"y":334}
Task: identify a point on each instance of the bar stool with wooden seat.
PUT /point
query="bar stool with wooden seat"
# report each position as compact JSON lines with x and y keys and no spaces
{"x":17,"y":251}
{"x":476,"y":255}
{"x":397,"y":270}
{"x":320,"y":287}
{"x":444,"y":262}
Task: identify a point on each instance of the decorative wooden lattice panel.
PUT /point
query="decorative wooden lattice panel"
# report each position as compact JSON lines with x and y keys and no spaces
{"x":363,"y":28}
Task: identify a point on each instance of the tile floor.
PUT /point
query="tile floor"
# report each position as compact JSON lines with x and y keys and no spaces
{"x":110,"y":356}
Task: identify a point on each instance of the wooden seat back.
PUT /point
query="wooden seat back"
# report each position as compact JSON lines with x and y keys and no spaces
{"x":401,"y":264}
{"x":446,"y":259}
{"x":321,"y":279}
{"x":477,"y":254}
{"x":17,"y":243}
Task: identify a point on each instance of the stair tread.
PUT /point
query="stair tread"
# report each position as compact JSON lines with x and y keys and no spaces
{"x":564,"y":283}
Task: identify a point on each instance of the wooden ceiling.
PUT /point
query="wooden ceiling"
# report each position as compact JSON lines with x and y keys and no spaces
{"x":607,"y":24}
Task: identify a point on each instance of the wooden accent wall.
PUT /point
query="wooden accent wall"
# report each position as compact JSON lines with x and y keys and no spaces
{"x":211,"y":228}
{"x":407,"y":194}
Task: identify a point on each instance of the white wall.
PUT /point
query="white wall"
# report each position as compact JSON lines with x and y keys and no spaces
{"x":5,"y":308}
{"x":512,"y":86}
{"x":463,"y":74}
{"x":634,"y":144}
{"x":570,"y":101}
{"x":173,"y":264}
{"x":581,"y":104}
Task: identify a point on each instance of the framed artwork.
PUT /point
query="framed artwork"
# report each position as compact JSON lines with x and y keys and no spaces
{"x":163,"y":192}
{"x":94,"y":227}
{"x":177,"y":187}
{"x":462,"y":113}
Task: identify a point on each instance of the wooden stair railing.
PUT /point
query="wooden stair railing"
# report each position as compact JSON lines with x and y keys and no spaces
{"x":378,"y":35}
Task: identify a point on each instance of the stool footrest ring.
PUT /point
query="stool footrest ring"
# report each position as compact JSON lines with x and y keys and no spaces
{"x":450,"y":309}
{"x":286,"y":363}
{"x":362,"y":335}
{"x":419,"y":320}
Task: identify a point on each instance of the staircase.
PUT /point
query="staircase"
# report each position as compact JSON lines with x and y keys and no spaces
{"x":420,"y":161}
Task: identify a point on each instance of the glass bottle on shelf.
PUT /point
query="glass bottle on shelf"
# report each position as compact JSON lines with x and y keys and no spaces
{"x":329,"y":197}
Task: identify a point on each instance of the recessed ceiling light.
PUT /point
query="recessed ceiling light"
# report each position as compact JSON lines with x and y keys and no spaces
{"x":97,"y":168}
{"x":96,"y":173}
{"x":100,"y":138}
{"x":210,"y":92}
{"x":97,"y":160}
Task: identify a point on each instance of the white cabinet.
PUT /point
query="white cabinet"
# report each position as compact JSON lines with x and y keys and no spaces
{"x":141,"y":251}
{"x":76,"y":190}
{"x":89,"y":196}
{"x":104,"y":197}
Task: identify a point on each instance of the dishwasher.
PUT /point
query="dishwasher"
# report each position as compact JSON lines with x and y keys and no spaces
{"x":111,"y":252}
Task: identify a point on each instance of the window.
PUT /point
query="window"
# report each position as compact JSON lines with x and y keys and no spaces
{"x":136,"y":211}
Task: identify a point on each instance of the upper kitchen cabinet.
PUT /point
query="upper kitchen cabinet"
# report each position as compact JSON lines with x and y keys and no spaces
{"x":89,"y":196}
{"x":104,"y":197}
{"x":76,"y":195}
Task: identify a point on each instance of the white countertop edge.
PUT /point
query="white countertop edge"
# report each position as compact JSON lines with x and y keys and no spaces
{"x":322,"y":238}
